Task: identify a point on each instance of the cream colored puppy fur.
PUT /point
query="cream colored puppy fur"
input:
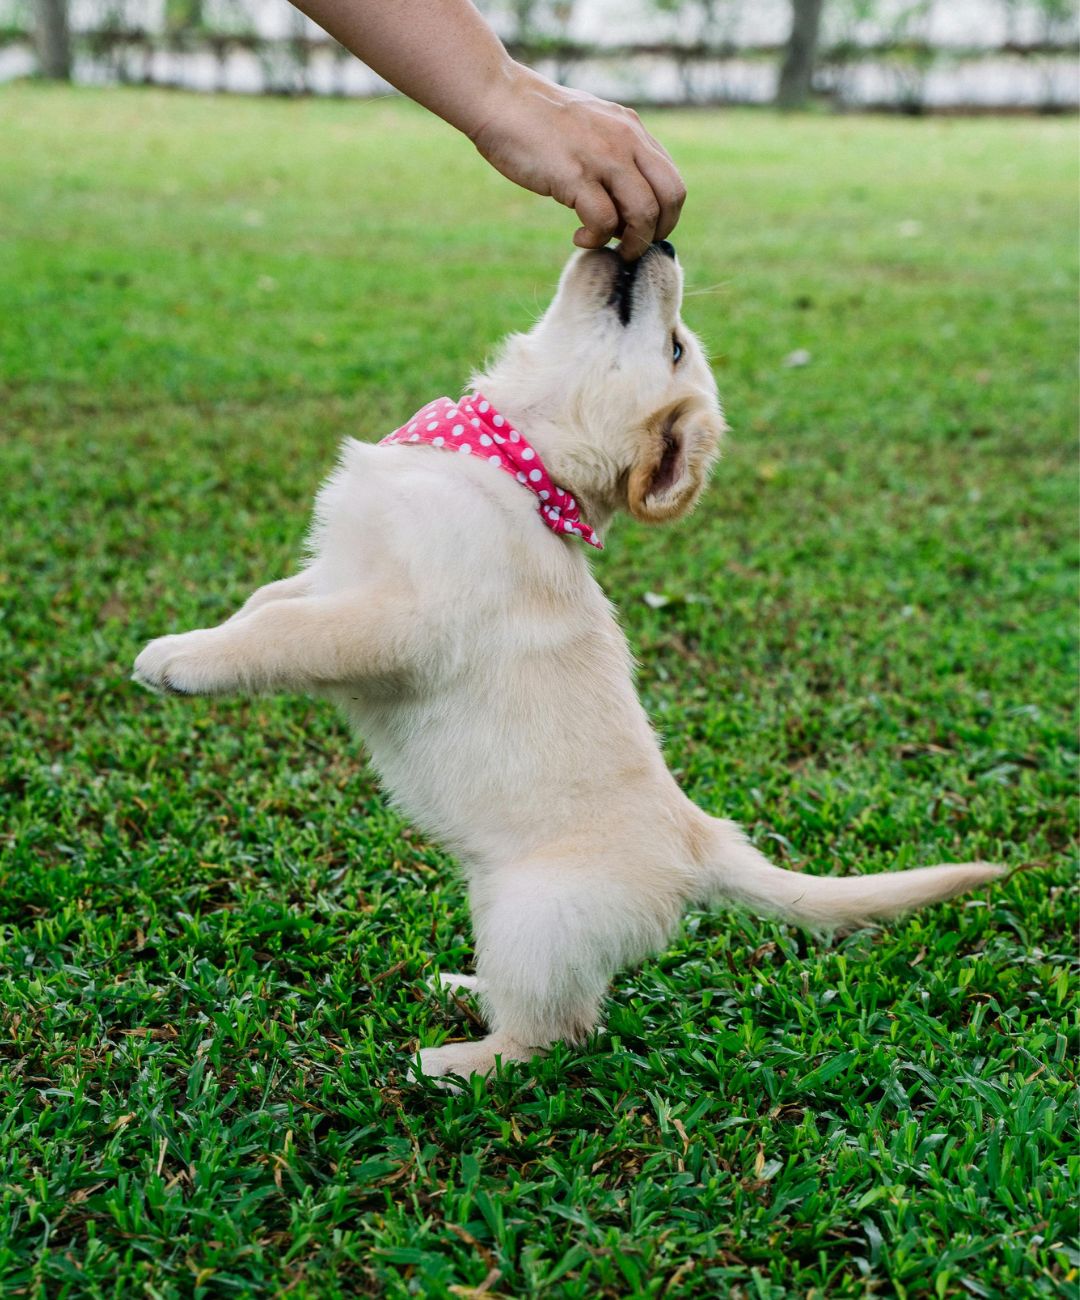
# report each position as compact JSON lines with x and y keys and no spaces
{"x":475,"y":654}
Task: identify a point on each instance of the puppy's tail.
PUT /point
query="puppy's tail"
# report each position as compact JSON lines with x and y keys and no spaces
{"x":736,"y":872}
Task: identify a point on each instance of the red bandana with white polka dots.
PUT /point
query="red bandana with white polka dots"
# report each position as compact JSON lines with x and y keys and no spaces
{"x":474,"y":428}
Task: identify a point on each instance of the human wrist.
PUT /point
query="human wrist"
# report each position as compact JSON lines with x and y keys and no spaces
{"x":508,"y":88}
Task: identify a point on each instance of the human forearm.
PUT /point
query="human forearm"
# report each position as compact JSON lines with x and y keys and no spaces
{"x":440,"y":53}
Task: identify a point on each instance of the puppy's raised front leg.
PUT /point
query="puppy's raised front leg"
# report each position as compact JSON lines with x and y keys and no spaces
{"x":284,"y":589}
{"x":288,"y":645}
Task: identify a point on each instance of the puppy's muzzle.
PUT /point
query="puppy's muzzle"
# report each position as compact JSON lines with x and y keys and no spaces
{"x":626,"y":275}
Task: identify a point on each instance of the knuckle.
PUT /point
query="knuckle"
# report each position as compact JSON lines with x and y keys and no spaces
{"x":649,"y":213}
{"x":598,"y":224}
{"x":596,"y":215}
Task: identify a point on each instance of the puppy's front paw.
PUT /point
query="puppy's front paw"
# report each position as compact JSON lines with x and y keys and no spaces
{"x":180,"y":665}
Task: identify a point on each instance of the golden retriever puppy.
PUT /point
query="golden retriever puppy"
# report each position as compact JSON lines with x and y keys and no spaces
{"x":449,"y":610}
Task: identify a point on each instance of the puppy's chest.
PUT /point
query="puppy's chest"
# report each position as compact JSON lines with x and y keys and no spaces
{"x":491,"y":706}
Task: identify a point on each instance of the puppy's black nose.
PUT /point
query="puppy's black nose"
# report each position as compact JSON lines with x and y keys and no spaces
{"x":662,"y":246}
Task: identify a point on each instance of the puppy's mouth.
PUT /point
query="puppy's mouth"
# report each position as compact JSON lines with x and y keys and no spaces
{"x":622,"y":290}
{"x":626,"y":276}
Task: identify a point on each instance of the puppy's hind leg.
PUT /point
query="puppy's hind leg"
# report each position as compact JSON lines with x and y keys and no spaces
{"x":549,"y":937}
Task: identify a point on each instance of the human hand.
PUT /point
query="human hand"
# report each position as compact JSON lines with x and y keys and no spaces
{"x":591,"y":155}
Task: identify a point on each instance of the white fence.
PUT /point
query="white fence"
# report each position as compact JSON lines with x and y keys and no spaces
{"x":908,"y":54}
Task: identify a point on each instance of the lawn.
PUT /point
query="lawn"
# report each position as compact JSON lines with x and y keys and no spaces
{"x":215,"y":936}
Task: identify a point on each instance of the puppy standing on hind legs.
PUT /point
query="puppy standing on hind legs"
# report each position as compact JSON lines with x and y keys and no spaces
{"x":448,"y":609}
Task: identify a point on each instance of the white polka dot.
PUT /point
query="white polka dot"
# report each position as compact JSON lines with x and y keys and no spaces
{"x":451,"y":413}
{"x":438,"y":442}
{"x":498,"y":439}
{"x":535,"y":475}
{"x":520,"y":477}
{"x":475,"y":423}
{"x":458,"y":430}
{"x":432,"y":426}
{"x":465,"y":448}
{"x":485,"y":406}
{"x":571,"y":503}
{"x":497,"y":421}
{"x":528,"y":454}
{"x":543,"y":494}
{"x":415,"y":438}
{"x":495,"y":460}
{"x":485,"y":441}
{"x":412,"y":426}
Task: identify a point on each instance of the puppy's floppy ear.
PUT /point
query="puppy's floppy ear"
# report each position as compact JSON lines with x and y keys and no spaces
{"x":678,"y":447}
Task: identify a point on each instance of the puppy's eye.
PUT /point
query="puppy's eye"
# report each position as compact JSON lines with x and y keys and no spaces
{"x":676,"y":350}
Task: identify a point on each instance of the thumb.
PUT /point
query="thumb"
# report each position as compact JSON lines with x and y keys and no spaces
{"x":590,"y":238}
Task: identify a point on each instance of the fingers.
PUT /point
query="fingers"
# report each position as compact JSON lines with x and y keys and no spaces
{"x":598,"y":159}
{"x":587,"y":239}
{"x":597,"y":214}
{"x":639,"y":209}
{"x":647,"y":189}
{"x":667,"y":187}
{"x":638,"y":203}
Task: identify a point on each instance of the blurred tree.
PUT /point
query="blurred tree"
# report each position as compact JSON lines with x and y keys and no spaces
{"x":52,"y":39}
{"x":183,"y":16}
{"x":1057,"y":19}
{"x":539,"y":28}
{"x":707,"y":18}
{"x":797,"y":69}
{"x":913,"y":53}
{"x":848,"y":23}
{"x":524,"y":15}
{"x":536,"y":22}
{"x":705,"y":28}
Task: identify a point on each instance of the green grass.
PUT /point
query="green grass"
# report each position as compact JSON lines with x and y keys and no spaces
{"x":215,"y":935}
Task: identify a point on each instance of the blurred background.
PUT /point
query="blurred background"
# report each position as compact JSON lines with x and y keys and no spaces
{"x":905,"y":55}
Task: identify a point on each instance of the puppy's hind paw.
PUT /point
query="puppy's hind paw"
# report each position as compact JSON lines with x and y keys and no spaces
{"x":451,"y":982}
{"x":463,"y":1060}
